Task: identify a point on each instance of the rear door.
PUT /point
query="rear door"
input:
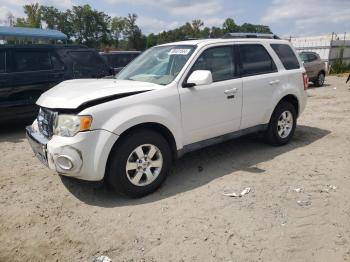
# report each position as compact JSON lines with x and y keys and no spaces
{"x":312,"y":65}
{"x":31,"y":76}
{"x":260,"y":80}
{"x":88,"y":64}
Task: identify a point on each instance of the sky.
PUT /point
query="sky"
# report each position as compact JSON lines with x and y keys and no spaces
{"x":285,"y":17}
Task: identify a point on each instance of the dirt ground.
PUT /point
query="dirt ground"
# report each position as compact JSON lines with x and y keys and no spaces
{"x":44,"y":217}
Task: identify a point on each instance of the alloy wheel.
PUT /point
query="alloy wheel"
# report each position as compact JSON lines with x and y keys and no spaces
{"x":144,"y":164}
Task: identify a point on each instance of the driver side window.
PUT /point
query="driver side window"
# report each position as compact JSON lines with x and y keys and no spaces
{"x":218,"y":60}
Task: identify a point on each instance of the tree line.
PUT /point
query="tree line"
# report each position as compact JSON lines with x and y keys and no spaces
{"x":85,"y":25}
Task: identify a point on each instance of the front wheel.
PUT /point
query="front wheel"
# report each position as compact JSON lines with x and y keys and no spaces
{"x":139,"y":163}
{"x":282,"y":124}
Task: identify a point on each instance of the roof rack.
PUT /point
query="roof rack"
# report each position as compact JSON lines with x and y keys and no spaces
{"x":250,"y":35}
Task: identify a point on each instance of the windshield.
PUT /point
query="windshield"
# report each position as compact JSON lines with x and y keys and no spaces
{"x":159,"y":65}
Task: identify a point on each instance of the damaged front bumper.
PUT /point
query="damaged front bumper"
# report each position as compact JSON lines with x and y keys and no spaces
{"x":83,"y":156}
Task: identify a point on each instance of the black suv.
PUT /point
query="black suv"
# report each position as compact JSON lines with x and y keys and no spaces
{"x":29,"y":70}
{"x":119,"y":59}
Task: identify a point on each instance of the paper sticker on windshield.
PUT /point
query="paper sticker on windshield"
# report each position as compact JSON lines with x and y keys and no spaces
{"x":183,"y":51}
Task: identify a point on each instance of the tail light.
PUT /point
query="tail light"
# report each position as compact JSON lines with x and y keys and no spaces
{"x":306,"y":81}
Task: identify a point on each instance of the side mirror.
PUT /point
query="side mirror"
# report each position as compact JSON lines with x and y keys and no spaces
{"x":198,"y":78}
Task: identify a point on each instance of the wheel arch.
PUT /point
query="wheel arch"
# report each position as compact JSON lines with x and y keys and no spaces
{"x":157,"y":127}
{"x":293,"y":100}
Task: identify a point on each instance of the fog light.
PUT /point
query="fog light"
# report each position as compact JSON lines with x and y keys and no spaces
{"x":64,"y":162}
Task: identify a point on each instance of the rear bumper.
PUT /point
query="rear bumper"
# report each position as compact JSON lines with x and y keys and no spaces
{"x":83,"y":156}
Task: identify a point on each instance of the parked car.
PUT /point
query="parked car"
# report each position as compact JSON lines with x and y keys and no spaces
{"x":119,"y":59}
{"x":315,"y":67}
{"x":172,"y":99}
{"x":26,"y":71}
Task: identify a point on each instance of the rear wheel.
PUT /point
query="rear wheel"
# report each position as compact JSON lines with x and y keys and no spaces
{"x":320,"y":79}
{"x":139,"y":163}
{"x":282,"y":124}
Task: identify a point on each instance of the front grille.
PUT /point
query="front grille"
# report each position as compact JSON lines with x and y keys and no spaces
{"x":46,"y":120}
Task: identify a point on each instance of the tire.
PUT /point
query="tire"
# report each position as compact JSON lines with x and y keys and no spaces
{"x":154,"y":169}
{"x":274,"y":134}
{"x":319,"y":80}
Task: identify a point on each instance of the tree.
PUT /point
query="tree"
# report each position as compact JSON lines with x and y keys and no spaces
{"x":33,"y":19}
{"x":229,"y":26}
{"x":152,"y":40}
{"x":118,"y":26}
{"x":251,"y":28}
{"x":197,"y":24}
{"x":133,"y":33}
{"x":89,"y":26}
{"x":56,"y":19}
{"x":216,"y":32}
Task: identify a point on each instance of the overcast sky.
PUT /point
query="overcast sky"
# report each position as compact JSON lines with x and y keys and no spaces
{"x":285,"y":17}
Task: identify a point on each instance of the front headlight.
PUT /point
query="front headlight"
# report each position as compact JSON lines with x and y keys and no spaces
{"x":70,"y":125}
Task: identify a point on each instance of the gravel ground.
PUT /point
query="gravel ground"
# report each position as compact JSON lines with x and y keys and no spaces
{"x":297,"y":210}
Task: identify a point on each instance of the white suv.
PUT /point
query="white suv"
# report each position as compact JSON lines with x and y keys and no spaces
{"x":172,"y":99}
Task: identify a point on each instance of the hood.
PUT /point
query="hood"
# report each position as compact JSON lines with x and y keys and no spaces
{"x":72,"y":94}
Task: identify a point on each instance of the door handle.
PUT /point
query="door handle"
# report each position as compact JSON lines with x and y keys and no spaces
{"x":230,"y":91}
{"x":274,"y":82}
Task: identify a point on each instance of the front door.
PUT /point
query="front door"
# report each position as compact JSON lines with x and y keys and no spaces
{"x":212,"y":110}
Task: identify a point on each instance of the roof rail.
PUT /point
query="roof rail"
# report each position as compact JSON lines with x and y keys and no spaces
{"x":250,"y":35}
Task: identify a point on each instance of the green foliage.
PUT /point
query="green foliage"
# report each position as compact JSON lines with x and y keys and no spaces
{"x":85,"y":25}
{"x":33,"y":19}
{"x":339,"y":66}
{"x":89,"y":26}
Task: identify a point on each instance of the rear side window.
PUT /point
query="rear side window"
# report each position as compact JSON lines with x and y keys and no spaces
{"x":256,"y":60}
{"x":2,"y":61}
{"x":86,"y":58}
{"x":286,"y":55}
{"x":218,"y":60}
{"x":119,"y":60}
{"x":124,"y":59}
{"x":311,"y":57}
{"x":32,"y":61}
{"x":88,"y":64}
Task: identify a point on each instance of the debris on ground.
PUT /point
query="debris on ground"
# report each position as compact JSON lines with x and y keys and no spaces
{"x":245,"y":191}
{"x":233,"y":194}
{"x":332,"y":187}
{"x":298,"y":190}
{"x":284,"y":221}
{"x":329,"y":188}
{"x":304,"y":203}
{"x":102,"y":259}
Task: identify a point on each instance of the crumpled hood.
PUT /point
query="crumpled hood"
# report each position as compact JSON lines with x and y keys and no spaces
{"x":73,"y":93}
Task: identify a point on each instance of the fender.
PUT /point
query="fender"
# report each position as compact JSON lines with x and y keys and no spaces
{"x":149,"y":107}
{"x":135,"y":115}
{"x":284,"y":90}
